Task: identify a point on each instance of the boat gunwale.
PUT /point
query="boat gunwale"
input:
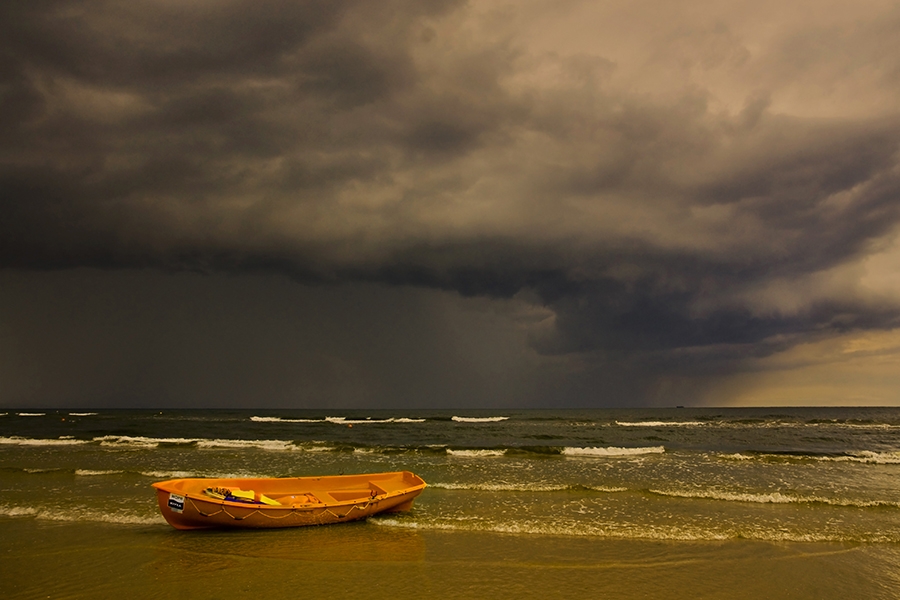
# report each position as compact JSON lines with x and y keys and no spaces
{"x":162,"y":487}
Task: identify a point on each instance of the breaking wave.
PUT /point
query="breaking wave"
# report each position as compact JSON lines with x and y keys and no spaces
{"x":526,"y":487}
{"x":127,"y":441}
{"x":336,"y":420}
{"x":272,"y":445}
{"x":862,"y":456}
{"x":660,"y":423}
{"x":772,"y":498}
{"x":171,"y":474}
{"x":281,"y":420}
{"x":612,"y":451}
{"x":346,"y":421}
{"x":483,"y":453}
{"x":478,"y":419}
{"x":627,"y":531}
{"x":22,"y":441}
{"x":80,"y":513}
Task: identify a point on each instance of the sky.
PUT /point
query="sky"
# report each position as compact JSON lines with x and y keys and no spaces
{"x":449,"y":204}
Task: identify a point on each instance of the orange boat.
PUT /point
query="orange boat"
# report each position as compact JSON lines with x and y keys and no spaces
{"x":284,"y":502}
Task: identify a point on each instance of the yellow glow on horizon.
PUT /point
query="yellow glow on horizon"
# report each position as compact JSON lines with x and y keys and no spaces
{"x":858,"y":369}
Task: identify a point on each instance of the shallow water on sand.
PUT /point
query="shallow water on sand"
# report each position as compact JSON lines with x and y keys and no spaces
{"x":76,"y":560}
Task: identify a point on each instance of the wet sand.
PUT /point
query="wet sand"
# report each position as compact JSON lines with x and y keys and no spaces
{"x":76,"y":560}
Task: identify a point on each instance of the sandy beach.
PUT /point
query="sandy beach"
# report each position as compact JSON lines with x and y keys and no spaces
{"x":67,"y":560}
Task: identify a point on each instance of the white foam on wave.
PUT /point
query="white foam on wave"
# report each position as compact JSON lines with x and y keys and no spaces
{"x":346,"y":421}
{"x":478,"y":419}
{"x":886,"y":426}
{"x":89,"y":472}
{"x":862,"y":456}
{"x":79,"y":513}
{"x":96,"y":516}
{"x":736,"y":456}
{"x":336,"y":420}
{"x":483,"y":453}
{"x":772,"y":498}
{"x":139,"y":442}
{"x":17,"y":511}
{"x":271,"y":445}
{"x":281,"y":420}
{"x":660,"y":423}
{"x":627,"y":531}
{"x":82,"y":414}
{"x":316,"y":447}
{"x":22,"y":441}
{"x":500,"y":487}
{"x":25,"y":414}
{"x":613,"y":451}
{"x":780,"y":424}
{"x":170,"y":474}
{"x":522,"y":487}
{"x":607,"y":489}
{"x":623,"y":530}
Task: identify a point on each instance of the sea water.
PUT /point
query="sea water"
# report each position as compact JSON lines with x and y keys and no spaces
{"x":680,"y":503}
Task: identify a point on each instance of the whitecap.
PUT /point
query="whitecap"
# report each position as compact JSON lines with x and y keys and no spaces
{"x":659,"y":423}
{"x":478,"y":419}
{"x":170,"y":474}
{"x":95,"y":516}
{"x":346,"y":421}
{"x":772,"y":498}
{"x":482,"y":453}
{"x":139,"y":442}
{"x":736,"y":456}
{"x":281,"y":420}
{"x":22,"y":441}
{"x":501,"y":487}
{"x":860,"y":456}
{"x":613,"y":451}
{"x":272,"y":445}
{"x":17,"y":511}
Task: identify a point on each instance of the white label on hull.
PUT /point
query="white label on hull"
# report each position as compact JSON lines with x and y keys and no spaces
{"x":176,"y":502}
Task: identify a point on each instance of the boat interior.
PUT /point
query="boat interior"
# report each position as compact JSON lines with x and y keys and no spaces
{"x":301,"y":491}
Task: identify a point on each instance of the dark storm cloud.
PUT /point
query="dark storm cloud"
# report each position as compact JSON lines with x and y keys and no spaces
{"x":429,"y":144}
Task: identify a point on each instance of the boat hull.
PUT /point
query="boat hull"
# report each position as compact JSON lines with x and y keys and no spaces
{"x":297,"y":501}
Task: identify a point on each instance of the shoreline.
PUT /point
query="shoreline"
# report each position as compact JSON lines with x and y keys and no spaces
{"x":85,"y":560}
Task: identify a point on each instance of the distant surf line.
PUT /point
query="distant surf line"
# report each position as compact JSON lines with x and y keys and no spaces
{"x":336,"y":420}
{"x":348,"y":421}
{"x":276,"y":445}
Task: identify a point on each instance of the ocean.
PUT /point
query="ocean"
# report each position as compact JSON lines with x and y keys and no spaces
{"x":636,"y":503}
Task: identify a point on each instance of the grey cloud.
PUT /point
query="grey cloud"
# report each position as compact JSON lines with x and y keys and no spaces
{"x":341,"y":141}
